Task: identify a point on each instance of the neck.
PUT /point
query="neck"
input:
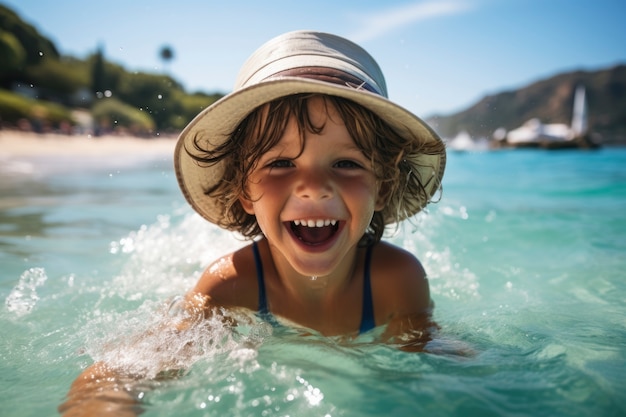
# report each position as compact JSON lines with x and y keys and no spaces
{"x":316,"y":287}
{"x":329,"y":303}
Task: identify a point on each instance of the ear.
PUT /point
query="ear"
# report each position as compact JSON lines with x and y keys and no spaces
{"x":247,"y":205}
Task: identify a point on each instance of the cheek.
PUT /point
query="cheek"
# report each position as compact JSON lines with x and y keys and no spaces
{"x":265,"y":200}
{"x":267,"y":215}
{"x":270,"y":187}
{"x":253,"y":191}
{"x":364,"y":195}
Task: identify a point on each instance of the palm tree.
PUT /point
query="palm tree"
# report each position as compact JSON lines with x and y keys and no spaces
{"x":167,"y":54}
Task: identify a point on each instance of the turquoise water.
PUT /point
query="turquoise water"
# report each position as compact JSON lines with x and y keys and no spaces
{"x":526,"y":254}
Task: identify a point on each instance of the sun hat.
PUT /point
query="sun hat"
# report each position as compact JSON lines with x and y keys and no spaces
{"x":293,"y":63}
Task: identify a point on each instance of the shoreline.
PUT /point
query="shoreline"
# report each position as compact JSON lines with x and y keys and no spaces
{"x":17,"y":144}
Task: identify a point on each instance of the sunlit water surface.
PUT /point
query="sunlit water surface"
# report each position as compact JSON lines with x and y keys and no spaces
{"x":525,"y":253}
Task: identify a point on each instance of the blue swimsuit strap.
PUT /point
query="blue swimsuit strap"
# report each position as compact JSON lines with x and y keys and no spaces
{"x":367,"y":315}
{"x":263,"y":310}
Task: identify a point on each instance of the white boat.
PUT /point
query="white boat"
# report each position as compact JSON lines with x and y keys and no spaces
{"x":463,"y":142}
{"x":534,"y":133}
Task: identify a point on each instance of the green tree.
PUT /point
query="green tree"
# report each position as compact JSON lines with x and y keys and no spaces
{"x":12,"y":53}
{"x":98,"y":80}
{"x":35,"y":45}
{"x":154,"y":94}
{"x":166,"y":54}
{"x":113,"y":113}
{"x":60,"y":76}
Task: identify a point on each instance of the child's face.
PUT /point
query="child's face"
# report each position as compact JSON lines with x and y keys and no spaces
{"x":313,"y":207}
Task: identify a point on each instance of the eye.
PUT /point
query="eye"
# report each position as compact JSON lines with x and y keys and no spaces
{"x":280,"y":163}
{"x":347,"y":164}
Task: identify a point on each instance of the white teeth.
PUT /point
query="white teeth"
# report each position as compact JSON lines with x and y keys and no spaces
{"x":315,"y":223}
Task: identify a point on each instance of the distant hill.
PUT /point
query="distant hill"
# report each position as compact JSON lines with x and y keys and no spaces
{"x":551,"y":101}
{"x":31,"y":65}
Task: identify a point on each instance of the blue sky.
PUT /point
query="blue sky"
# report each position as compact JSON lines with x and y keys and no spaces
{"x":438,"y":56}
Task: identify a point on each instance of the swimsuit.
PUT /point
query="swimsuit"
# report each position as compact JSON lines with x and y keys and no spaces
{"x":367,"y":315}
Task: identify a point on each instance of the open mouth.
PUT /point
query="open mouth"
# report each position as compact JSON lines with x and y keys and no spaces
{"x":314,"y":232}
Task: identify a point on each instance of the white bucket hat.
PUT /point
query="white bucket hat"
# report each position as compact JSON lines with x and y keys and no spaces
{"x":294,"y":63}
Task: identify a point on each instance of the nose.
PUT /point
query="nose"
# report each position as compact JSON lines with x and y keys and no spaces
{"x":314,"y":185}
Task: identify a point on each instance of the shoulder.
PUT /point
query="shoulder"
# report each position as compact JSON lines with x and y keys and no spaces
{"x":399,"y":281}
{"x":230,"y":280}
{"x":396,"y":263}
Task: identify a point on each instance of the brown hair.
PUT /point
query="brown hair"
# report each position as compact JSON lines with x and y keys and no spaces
{"x":263,"y":128}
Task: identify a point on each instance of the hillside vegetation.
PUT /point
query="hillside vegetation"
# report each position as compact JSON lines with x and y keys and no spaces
{"x":551,"y":101}
{"x":42,"y":90}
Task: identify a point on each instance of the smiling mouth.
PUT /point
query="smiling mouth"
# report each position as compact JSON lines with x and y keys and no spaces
{"x":314,"y":232}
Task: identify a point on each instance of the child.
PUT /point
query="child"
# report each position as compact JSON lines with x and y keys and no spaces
{"x":308,"y":158}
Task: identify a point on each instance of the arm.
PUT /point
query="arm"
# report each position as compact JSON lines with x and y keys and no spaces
{"x":230,"y":281}
{"x":411,"y":332}
{"x":103,"y":389}
{"x":402,"y":298}
{"x":407,"y":306}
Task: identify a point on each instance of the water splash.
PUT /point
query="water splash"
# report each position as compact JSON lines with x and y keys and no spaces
{"x":166,"y":258}
{"x":24,"y":297}
{"x":160,"y":338}
{"x":420,"y":236}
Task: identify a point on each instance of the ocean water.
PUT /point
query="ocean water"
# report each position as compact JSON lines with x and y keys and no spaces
{"x":526,"y":253}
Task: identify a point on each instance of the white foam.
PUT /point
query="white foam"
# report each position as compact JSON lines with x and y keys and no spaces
{"x":166,"y":258}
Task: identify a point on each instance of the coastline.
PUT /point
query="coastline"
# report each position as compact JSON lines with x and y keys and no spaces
{"x":18,"y":144}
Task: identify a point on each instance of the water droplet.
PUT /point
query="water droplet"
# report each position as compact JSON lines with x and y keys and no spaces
{"x":23,"y":297}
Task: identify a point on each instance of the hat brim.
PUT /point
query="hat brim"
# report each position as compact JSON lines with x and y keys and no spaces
{"x":219,"y":120}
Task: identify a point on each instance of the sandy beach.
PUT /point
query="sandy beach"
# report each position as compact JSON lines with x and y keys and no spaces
{"x":16,"y":144}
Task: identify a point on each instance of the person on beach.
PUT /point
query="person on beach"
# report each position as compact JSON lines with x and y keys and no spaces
{"x":310,"y":160}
